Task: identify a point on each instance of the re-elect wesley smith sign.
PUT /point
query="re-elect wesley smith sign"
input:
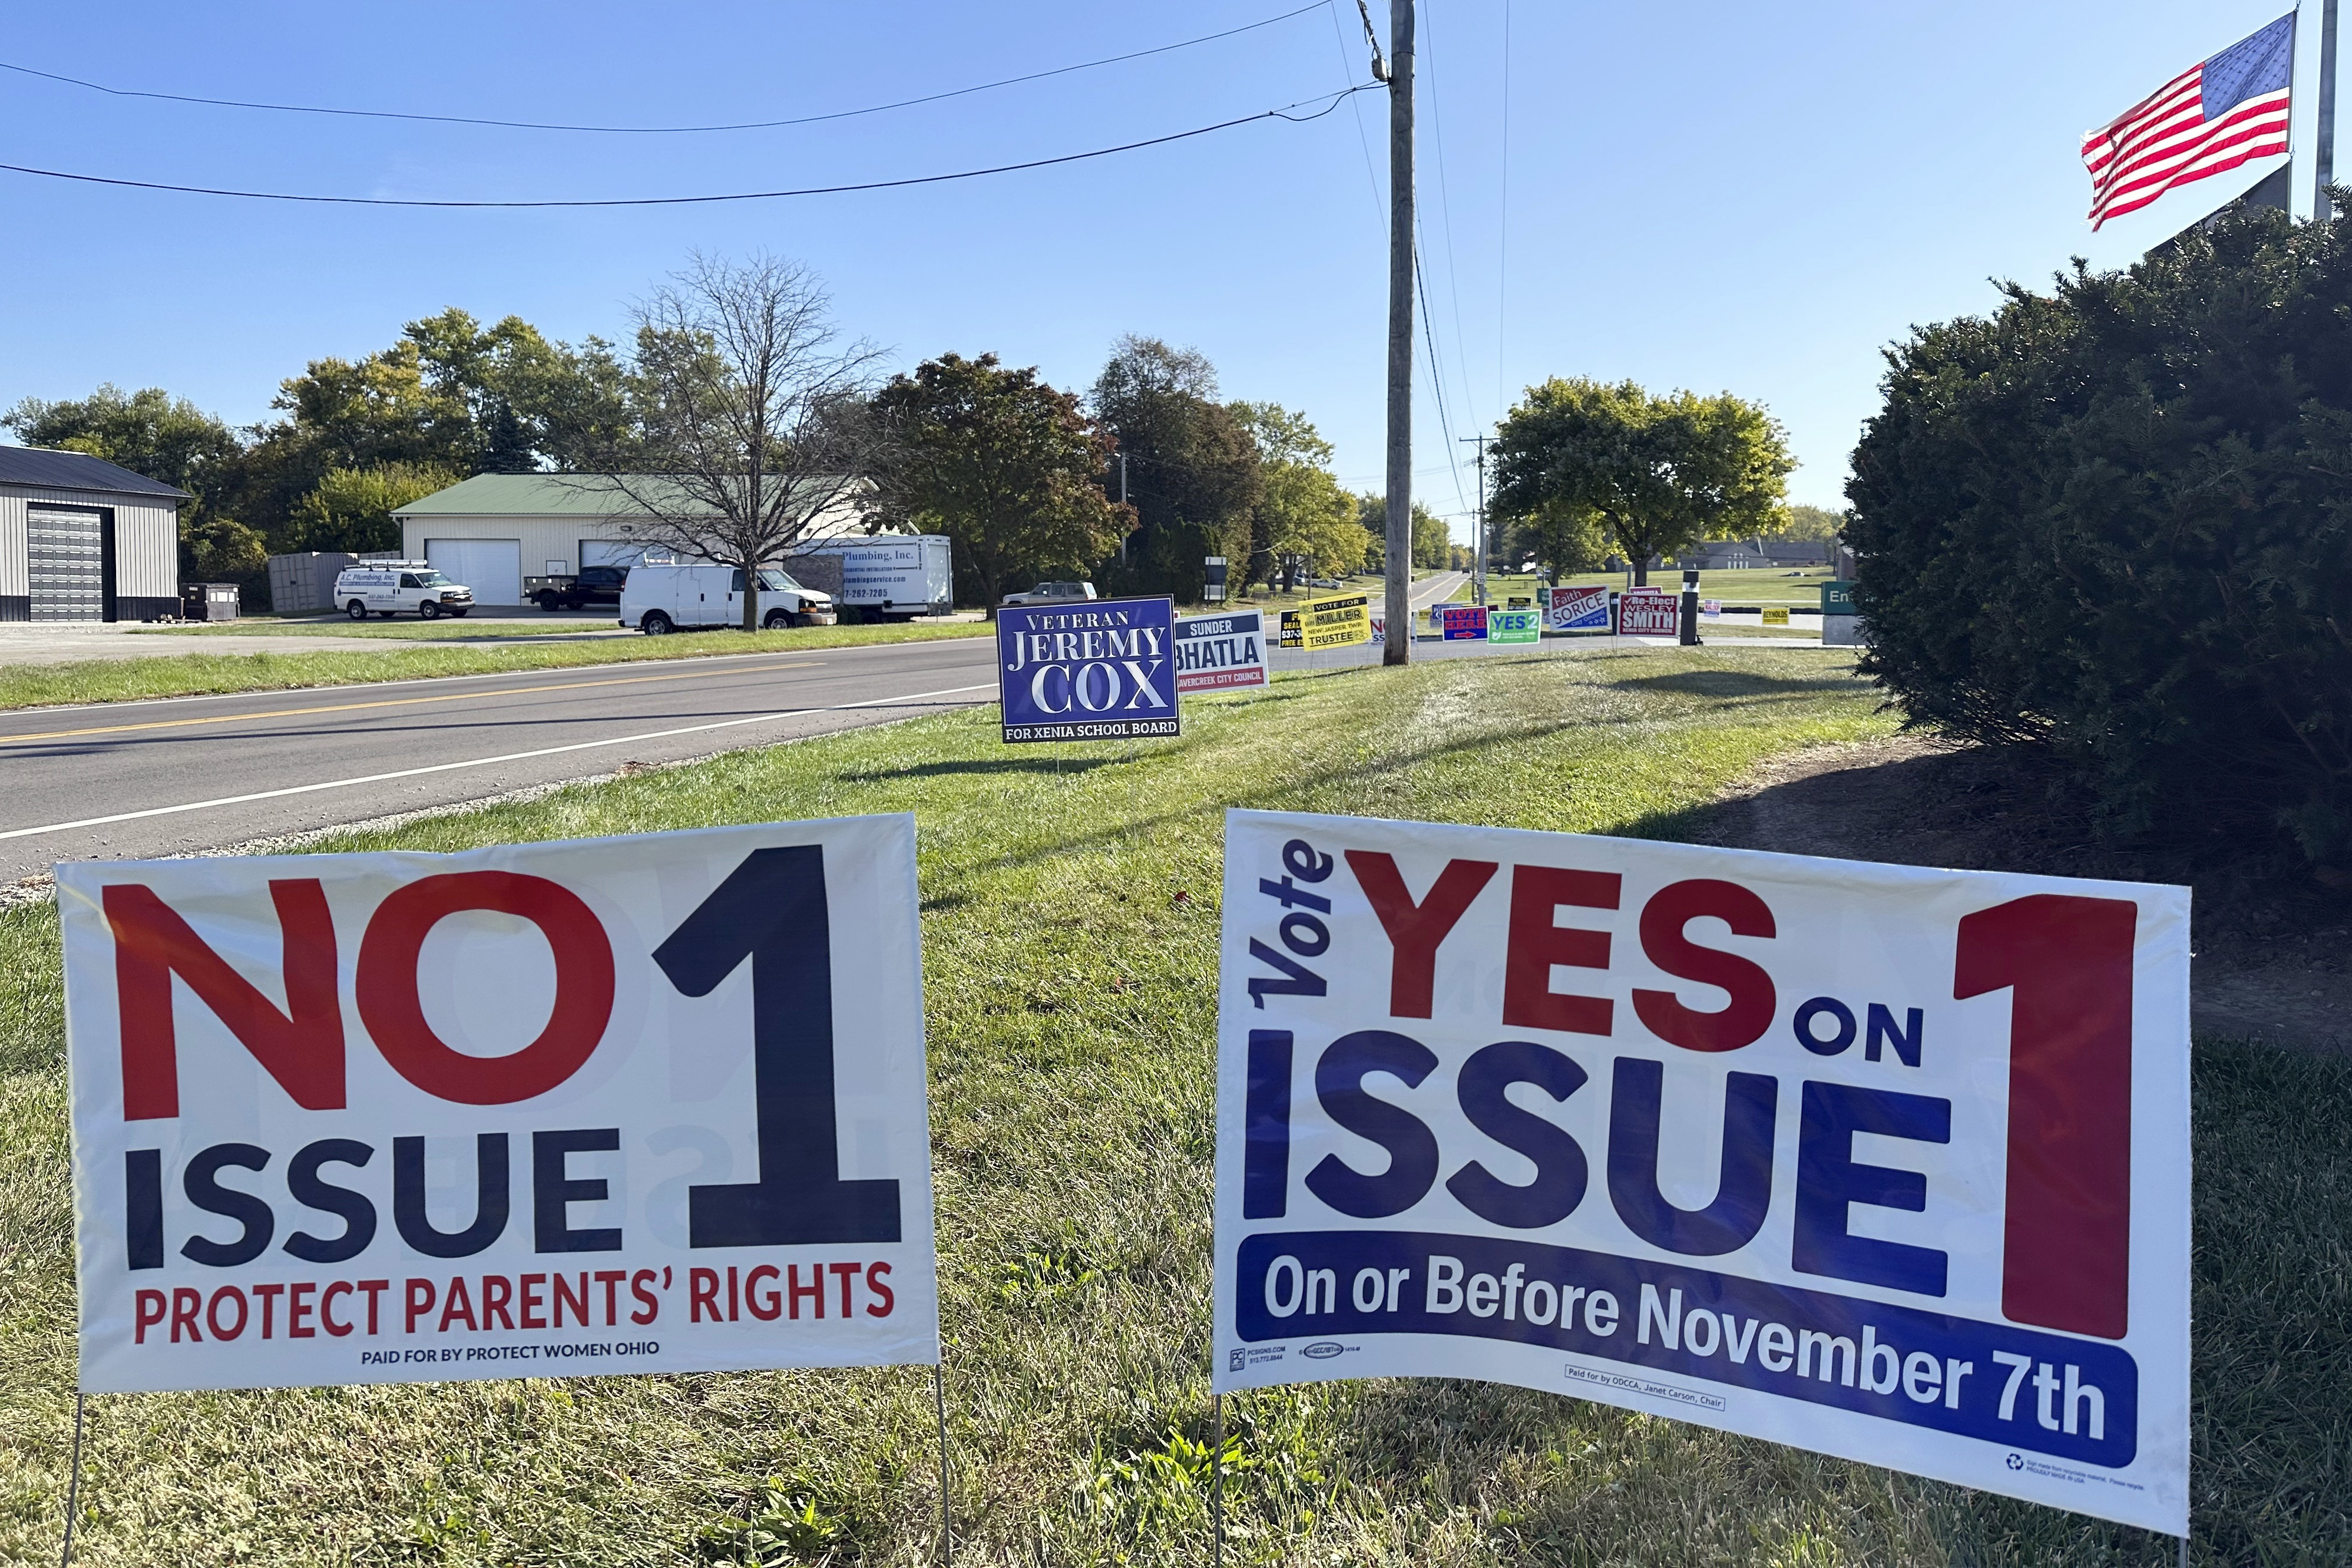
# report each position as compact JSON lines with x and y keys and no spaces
{"x":1887,"y":1163}
{"x":1093,"y":669}
{"x":643,"y":1104}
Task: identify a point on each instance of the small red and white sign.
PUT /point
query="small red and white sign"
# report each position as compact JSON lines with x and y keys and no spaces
{"x":1647,"y":612}
{"x":539,"y":1110}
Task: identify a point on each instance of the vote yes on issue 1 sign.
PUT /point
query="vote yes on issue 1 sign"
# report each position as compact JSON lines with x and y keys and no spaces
{"x":1885,"y":1163}
{"x":642,"y":1104}
{"x":1092,"y":669}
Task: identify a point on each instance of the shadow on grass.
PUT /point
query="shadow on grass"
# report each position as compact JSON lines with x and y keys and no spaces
{"x":1048,"y":766}
{"x":1733,"y":684}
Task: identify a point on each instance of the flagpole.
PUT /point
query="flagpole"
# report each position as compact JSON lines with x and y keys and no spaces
{"x":2323,"y":142}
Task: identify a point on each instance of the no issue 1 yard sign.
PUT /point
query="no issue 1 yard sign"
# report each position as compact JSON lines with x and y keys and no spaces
{"x":554,"y":1109}
{"x":1885,"y":1163}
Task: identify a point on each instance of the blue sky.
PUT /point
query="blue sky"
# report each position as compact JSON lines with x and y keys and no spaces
{"x":1713,"y":195}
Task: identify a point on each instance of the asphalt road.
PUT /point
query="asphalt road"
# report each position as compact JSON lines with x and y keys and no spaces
{"x":176,"y":776}
{"x":141,"y":780}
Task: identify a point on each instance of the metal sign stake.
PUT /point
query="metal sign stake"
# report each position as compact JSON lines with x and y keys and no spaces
{"x":73,"y":1486}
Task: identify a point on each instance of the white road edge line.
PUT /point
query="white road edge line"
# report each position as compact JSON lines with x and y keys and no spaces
{"x":482,"y":761}
{"x":427,"y":680}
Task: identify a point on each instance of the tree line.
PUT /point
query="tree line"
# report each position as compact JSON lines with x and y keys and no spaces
{"x":737,"y":415}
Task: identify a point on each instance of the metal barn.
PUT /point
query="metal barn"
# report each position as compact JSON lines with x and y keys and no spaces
{"x":83,"y":539}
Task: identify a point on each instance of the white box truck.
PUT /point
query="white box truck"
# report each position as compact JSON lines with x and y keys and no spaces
{"x":892,"y":577}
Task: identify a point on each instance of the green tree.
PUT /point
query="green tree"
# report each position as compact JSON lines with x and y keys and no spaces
{"x":1303,"y":520}
{"x":222,"y":550}
{"x":1194,"y":474}
{"x":1562,"y":539}
{"x":149,"y":432}
{"x":350,"y":509}
{"x":1005,"y":466}
{"x":1658,"y":473}
{"x":1812,"y":524}
{"x":152,"y":433}
{"x":1432,"y":541}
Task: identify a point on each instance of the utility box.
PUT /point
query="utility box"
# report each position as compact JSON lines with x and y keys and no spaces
{"x":305,"y":584}
{"x":208,"y":601}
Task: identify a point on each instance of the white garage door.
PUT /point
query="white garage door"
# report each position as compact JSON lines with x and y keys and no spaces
{"x":492,"y":568}
{"x":65,"y":564}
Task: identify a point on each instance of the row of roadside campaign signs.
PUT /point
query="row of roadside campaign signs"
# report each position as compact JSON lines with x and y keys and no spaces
{"x":1114,"y":668}
{"x":1880,"y":1161}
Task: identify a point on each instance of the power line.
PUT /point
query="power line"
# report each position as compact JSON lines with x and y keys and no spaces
{"x":650,"y":130}
{"x":1436,"y":373}
{"x":1340,"y":37}
{"x":1445,"y":226}
{"x":1282,"y":114}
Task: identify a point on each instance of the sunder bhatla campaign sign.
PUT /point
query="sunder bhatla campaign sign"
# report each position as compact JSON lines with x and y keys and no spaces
{"x":1885,"y":1163}
{"x":1094,"y":669}
{"x":641,"y":1104}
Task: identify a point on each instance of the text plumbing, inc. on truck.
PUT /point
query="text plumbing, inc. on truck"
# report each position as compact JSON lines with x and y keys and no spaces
{"x":1885,"y":1163}
{"x":563,"y":1106}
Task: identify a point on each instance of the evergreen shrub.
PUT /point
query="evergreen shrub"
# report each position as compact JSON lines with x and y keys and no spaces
{"x":2112,"y":521}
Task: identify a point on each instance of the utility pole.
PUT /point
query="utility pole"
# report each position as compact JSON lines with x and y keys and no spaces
{"x":1122,"y":502}
{"x":1399,"y":77}
{"x":2324,"y":160}
{"x":1478,"y":528}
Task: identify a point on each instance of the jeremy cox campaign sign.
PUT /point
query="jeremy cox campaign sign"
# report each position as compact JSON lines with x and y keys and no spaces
{"x":1885,"y":1163}
{"x":1093,"y":669}
{"x":642,"y":1104}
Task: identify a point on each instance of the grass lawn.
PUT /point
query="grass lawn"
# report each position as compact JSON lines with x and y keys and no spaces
{"x":1071,"y":1061}
{"x":404,"y":629}
{"x":406,"y":658}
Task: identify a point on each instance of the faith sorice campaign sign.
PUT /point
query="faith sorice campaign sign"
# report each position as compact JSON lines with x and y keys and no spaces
{"x":642,"y":1104}
{"x":1091,"y":670}
{"x":1886,"y":1162}
{"x":1575,"y":609}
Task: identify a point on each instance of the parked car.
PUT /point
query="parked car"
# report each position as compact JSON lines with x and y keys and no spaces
{"x":590,"y":586}
{"x":1053,"y":593}
{"x":387,"y":587}
{"x":658,"y":600}
{"x":1325,"y":583}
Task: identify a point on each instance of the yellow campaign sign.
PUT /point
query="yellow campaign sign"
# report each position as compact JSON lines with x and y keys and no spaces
{"x":1332,"y":623}
{"x":1776,"y":617}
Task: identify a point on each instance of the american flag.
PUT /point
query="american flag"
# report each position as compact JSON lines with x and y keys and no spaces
{"x":2208,"y":120}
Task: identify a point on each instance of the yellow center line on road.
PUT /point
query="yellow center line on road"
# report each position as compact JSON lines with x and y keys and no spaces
{"x":392,"y":703}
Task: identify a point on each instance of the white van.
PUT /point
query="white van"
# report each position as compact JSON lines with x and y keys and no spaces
{"x":387,"y":587}
{"x":657,"y":600}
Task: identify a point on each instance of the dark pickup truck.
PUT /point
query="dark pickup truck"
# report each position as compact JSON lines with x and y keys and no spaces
{"x":593,"y":585}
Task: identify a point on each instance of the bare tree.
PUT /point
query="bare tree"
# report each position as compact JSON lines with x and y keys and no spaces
{"x":754,"y":414}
